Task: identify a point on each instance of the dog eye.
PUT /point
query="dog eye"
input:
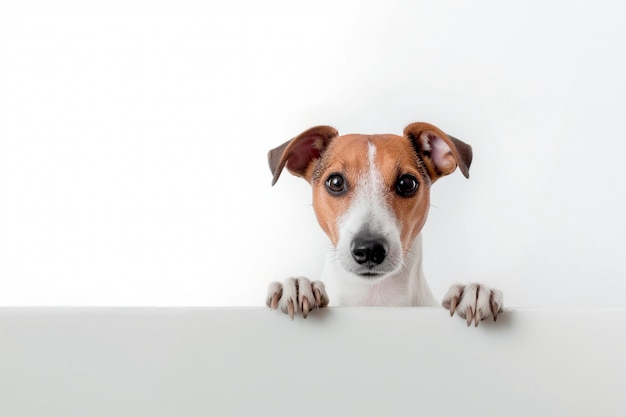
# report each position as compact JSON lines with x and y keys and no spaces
{"x":336,"y":184}
{"x":406,"y":185}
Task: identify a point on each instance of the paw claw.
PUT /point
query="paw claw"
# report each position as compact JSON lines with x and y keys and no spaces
{"x":453,"y":304}
{"x":495,"y":307}
{"x":477,"y":318}
{"x":274,"y":303}
{"x":305,"y":308}
{"x":469,"y":316}
{"x":274,"y":292}
{"x":318,"y":296}
{"x":290,"y":309}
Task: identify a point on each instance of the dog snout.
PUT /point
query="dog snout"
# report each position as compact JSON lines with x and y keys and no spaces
{"x":369,"y":251}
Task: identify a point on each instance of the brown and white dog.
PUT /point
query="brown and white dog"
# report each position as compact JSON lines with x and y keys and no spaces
{"x":371,"y":195}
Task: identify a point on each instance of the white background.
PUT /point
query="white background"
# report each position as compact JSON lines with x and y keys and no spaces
{"x":133,"y":141}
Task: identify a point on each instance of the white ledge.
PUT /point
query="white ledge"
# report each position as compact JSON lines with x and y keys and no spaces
{"x":342,"y":361}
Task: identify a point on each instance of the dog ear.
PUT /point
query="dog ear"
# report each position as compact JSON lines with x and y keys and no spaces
{"x":298,"y":153}
{"x":440,"y":152}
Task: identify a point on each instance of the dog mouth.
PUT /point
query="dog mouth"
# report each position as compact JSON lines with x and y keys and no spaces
{"x":373,"y":271}
{"x":371,"y":274}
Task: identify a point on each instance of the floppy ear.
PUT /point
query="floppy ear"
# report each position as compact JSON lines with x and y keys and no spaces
{"x":300,"y":152}
{"x":440,"y":152}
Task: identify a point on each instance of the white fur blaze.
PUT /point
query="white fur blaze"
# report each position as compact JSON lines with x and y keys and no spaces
{"x":369,"y":210}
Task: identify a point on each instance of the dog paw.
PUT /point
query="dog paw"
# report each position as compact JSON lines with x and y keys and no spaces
{"x":296,"y":295}
{"x":473,"y":302}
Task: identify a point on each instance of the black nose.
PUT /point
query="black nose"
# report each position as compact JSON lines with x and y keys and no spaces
{"x":372,"y":251}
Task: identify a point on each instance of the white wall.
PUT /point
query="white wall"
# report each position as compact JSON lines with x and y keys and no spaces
{"x":342,"y":362}
{"x":133,"y":138}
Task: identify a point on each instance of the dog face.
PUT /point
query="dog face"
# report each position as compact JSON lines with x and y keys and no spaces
{"x":371,"y":200}
{"x":371,"y":192}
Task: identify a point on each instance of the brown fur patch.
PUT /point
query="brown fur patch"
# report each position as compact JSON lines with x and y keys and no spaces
{"x":395,"y":156}
{"x":346,"y":155}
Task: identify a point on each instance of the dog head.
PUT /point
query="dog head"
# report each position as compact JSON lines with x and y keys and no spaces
{"x":371,"y":192}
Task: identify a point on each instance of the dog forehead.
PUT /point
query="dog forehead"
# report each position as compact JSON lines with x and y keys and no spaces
{"x":357,"y":147}
{"x":393,"y":147}
{"x":353,"y":153}
{"x":345,"y":153}
{"x":387,"y":152}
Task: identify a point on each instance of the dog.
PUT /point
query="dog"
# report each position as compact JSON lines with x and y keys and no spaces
{"x":371,"y":195}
